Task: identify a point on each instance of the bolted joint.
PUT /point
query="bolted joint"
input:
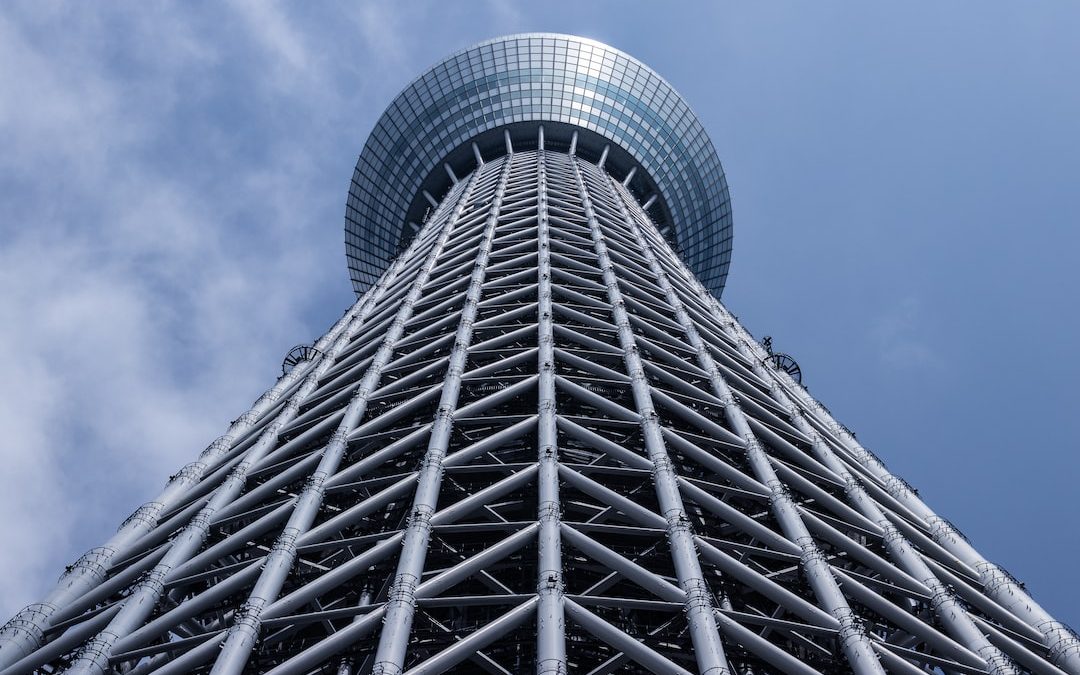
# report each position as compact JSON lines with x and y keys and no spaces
{"x":891,"y":535}
{"x":94,"y":656}
{"x":549,"y":511}
{"x":662,"y":465}
{"x":146,"y":516}
{"x":284,"y":547}
{"x":247,"y":617}
{"x":698,"y":596}
{"x":550,"y":582}
{"x":942,"y":597}
{"x":94,"y":562}
{"x":677,"y":521}
{"x":852,"y":487}
{"x":385,"y":668}
{"x":247,"y":419}
{"x":153,"y":581}
{"x":219,"y":447}
{"x":551,"y":667}
{"x":996,"y":659}
{"x":339,"y":438}
{"x":314,"y":484}
{"x":430,"y":465}
{"x":420,"y":517}
{"x":752,"y":445}
{"x":996,"y":579}
{"x":811,"y":557}
{"x":778,"y":493}
{"x":898,"y":487}
{"x":189,"y":474}
{"x":1062,"y":641}
{"x":201,"y":522}
{"x":403,"y":590}
{"x":270,"y":396}
{"x":852,"y":630}
{"x":28,"y":624}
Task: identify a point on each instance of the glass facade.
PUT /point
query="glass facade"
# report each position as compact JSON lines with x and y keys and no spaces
{"x":538,"y":78}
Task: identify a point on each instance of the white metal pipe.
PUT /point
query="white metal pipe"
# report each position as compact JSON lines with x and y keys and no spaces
{"x":636,"y":650}
{"x":245,"y":630}
{"x":400,"y":607}
{"x":853,"y":639}
{"x":477,"y":563}
{"x":477,"y":640}
{"x":769,"y":652}
{"x":945,"y":605}
{"x":317,"y":654}
{"x":550,"y":622}
{"x":708,"y":648}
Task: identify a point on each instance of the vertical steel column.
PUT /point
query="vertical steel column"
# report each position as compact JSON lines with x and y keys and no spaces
{"x":853,"y":639}
{"x":1062,"y":643}
{"x":704,"y":633}
{"x":245,"y":630}
{"x":550,"y":622}
{"x":26,"y":630}
{"x":401,"y":605}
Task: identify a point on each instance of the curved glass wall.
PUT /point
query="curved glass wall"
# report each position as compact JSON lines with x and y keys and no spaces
{"x":538,"y":78}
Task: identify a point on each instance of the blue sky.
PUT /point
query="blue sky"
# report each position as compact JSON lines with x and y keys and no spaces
{"x":904,"y":186}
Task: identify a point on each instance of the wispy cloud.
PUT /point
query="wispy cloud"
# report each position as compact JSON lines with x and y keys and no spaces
{"x":900,"y":334}
{"x":155,"y":261}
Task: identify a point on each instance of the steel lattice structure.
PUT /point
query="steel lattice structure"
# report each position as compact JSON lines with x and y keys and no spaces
{"x":537,"y":442}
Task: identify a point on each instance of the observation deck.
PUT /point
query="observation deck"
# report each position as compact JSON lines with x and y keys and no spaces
{"x":482,"y":101}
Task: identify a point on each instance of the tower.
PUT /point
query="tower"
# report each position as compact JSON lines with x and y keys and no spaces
{"x":537,"y":441}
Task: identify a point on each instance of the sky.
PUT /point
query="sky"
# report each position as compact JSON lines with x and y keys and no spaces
{"x":904,"y":183}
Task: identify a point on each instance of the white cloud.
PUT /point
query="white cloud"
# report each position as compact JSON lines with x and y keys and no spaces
{"x":144,"y":303}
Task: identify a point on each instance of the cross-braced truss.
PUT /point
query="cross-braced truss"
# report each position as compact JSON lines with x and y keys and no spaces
{"x":537,"y":444}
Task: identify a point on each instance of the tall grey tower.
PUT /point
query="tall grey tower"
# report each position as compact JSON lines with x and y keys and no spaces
{"x":537,"y":442}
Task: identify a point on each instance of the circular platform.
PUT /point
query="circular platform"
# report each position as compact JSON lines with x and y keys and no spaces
{"x":425,"y":139}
